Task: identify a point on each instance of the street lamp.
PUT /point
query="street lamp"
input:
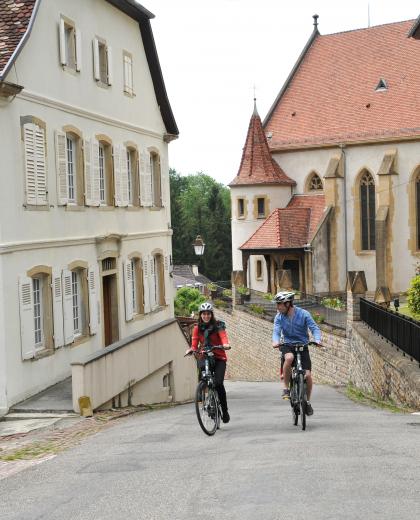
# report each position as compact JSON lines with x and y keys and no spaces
{"x":199,"y":246}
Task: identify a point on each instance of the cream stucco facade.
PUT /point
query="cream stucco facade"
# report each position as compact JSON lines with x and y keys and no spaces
{"x":58,"y":236}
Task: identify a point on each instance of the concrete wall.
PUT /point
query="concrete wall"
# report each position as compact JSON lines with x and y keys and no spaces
{"x":361,"y":358}
{"x":150,"y":366}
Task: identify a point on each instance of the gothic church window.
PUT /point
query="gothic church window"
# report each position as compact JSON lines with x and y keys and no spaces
{"x":315,"y":183}
{"x":367,"y":205}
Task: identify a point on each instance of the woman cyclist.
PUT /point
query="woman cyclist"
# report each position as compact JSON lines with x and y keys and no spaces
{"x":211,"y":332}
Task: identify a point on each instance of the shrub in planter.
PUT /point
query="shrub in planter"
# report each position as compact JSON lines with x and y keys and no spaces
{"x":414,"y":296}
{"x":220,"y":304}
{"x":227,"y":293}
{"x":268,"y":296}
{"x":318,"y":318}
{"x":256,"y":308}
{"x":333,"y":303}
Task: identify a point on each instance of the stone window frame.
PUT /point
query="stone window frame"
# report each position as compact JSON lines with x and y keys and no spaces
{"x":256,"y":215}
{"x":45,"y":272}
{"x":357,"y":212}
{"x":310,"y":182}
{"x":128,"y":80}
{"x":138,"y":258}
{"x":73,"y":66}
{"x":159,"y":270}
{"x":413,"y":189}
{"x":244,"y":215}
{"x":77,"y":136}
{"x":259,"y":270}
{"x":156,"y":173}
{"x":106,"y":142}
{"x":132,"y":148}
{"x":102,"y":54}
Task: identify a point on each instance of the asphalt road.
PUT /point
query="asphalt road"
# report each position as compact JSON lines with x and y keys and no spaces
{"x":353,"y":462}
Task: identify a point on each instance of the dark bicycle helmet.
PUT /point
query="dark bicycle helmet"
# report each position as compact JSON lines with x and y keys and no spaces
{"x":283,"y":297}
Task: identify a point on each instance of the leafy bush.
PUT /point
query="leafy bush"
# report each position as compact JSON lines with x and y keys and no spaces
{"x":220,"y":304}
{"x":242,"y":289}
{"x":318,"y":318}
{"x":414,"y":296}
{"x":227,"y":293}
{"x":211,"y":286}
{"x":256,"y":308}
{"x":333,"y":303}
{"x":268,"y":296}
{"x":187,"y":301}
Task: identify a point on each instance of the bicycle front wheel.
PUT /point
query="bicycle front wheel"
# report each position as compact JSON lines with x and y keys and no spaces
{"x":302,"y":400}
{"x":206,"y":408}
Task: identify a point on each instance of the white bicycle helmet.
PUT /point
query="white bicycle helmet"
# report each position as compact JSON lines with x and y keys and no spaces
{"x":283,"y":297}
{"x":206,"y":306}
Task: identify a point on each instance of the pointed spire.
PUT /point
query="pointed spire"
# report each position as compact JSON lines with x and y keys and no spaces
{"x":315,"y":17}
{"x":257,"y":165}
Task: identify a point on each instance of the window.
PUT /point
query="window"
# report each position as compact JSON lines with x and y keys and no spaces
{"x":70,"y":45}
{"x":261,"y":207}
{"x":102,"y":62}
{"x":241,"y":208}
{"x":158,"y":281}
{"x":35,"y":162}
{"x":315,"y":183}
{"x":71,"y":166}
{"x":367,"y":206}
{"x":77,"y":303}
{"x":102,"y":182}
{"x":70,"y":186}
{"x":134,"y":284}
{"x":37,"y":290}
{"x":128,"y":73}
{"x":259,"y":270}
{"x":132,"y":177}
{"x":129,"y":177}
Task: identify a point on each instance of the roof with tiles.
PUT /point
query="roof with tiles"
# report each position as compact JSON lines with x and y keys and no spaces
{"x":291,"y":227}
{"x":333,"y":97}
{"x":15,"y":16}
{"x":257,"y":165}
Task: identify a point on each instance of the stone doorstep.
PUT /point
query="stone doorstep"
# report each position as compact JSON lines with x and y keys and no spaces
{"x":16,"y":416}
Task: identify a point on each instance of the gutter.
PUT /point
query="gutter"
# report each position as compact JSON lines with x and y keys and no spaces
{"x":343,"y":151}
{"x":22,"y":42}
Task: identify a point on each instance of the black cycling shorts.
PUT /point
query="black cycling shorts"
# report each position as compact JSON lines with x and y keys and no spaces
{"x":305,"y":357}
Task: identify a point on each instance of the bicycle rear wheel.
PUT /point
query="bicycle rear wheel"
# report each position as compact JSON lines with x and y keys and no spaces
{"x":302,"y":400}
{"x":294,"y":404}
{"x":206,"y":408}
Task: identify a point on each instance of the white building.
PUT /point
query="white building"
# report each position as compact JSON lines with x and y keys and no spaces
{"x":85,"y":234}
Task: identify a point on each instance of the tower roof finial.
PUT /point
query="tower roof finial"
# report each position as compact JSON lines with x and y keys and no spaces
{"x":315,"y":17}
{"x":255,"y":103}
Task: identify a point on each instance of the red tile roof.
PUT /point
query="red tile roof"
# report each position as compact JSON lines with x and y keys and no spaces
{"x":257,"y":165}
{"x":291,"y":227}
{"x":15,"y":16}
{"x":331,"y":97}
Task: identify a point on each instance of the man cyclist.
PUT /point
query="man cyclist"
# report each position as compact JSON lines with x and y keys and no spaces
{"x":292,"y":324}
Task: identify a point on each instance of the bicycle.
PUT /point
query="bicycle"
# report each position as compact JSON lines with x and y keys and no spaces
{"x":207,"y":404}
{"x":297,"y":386}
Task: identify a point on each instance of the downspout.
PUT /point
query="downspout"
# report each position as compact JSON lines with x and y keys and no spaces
{"x":342,"y":148}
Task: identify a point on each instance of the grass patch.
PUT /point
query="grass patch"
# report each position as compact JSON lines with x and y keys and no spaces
{"x":403,"y":309}
{"x":359,"y":396}
{"x":34,"y":451}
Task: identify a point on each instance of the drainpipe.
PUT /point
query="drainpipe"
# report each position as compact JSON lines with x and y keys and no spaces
{"x":342,"y":148}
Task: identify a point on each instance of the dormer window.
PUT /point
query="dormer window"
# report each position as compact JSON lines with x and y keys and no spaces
{"x":381,"y":86}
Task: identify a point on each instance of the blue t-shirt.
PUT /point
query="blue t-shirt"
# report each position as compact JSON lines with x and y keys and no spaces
{"x":295,"y":329}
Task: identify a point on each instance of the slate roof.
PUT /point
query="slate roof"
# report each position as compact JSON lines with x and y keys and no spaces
{"x":291,"y":227}
{"x":257,"y":165}
{"x":332,"y":97}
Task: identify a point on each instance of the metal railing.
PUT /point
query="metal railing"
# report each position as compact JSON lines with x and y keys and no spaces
{"x":400,"y":330}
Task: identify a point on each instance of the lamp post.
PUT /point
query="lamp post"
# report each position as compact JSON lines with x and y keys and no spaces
{"x":199,"y":246}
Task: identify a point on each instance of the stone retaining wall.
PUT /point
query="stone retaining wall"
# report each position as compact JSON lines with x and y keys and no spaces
{"x":363,"y":358}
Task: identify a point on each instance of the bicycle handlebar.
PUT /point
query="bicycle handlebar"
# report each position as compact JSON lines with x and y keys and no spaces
{"x":209,"y":349}
{"x":299,"y":345}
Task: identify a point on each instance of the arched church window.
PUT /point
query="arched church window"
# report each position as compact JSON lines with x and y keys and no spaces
{"x":315,"y":183}
{"x":367,"y":205}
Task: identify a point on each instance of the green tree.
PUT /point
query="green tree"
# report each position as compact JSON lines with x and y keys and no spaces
{"x":187,"y":300}
{"x":414,"y":296}
{"x":200,"y":205}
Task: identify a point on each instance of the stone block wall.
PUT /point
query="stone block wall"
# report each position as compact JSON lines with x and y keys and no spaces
{"x":331,"y":365}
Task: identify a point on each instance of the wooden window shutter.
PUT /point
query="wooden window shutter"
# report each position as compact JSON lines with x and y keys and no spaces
{"x":26,"y":307}
{"x":93,"y":276}
{"x":62,"y":172}
{"x":124,"y":176}
{"x":41,"y":167}
{"x":142,"y":163}
{"x":109,"y":65}
{"x":95,"y":172}
{"x":146,"y":284}
{"x":57,"y":298}
{"x":63,"y":50}
{"x":96,"y":65}
{"x":78,"y":50}
{"x":30,"y":163}
{"x":128,"y":282}
{"x":153,"y":279}
{"x":116,"y":152}
{"x":87,"y":156}
{"x":168,"y":284}
{"x":67,"y":307}
{"x":149,"y":180}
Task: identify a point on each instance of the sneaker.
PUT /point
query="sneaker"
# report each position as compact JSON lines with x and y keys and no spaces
{"x":225,"y":417}
{"x":286,"y":393}
{"x":309,"y":409}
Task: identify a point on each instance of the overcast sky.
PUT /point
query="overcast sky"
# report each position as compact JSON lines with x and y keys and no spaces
{"x":213,"y":53}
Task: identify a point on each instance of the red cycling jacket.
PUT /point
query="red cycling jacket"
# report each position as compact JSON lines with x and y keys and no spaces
{"x":214,"y":335}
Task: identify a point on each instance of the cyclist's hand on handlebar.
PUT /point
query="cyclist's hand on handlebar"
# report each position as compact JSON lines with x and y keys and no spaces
{"x":226,"y":347}
{"x":276,"y":345}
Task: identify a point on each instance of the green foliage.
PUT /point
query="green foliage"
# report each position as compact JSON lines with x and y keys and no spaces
{"x":187,"y":300}
{"x":414,"y":296}
{"x":333,"y":303}
{"x":201,"y":206}
{"x":268,"y":296}
{"x":254,"y":307}
{"x":318,"y":318}
{"x":220,"y":304}
{"x":227,"y":293}
{"x":242,"y":289}
{"x":211,"y":286}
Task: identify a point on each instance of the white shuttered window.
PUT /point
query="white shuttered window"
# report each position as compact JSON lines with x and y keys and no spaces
{"x":128,"y":74}
{"x":35,"y":164}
